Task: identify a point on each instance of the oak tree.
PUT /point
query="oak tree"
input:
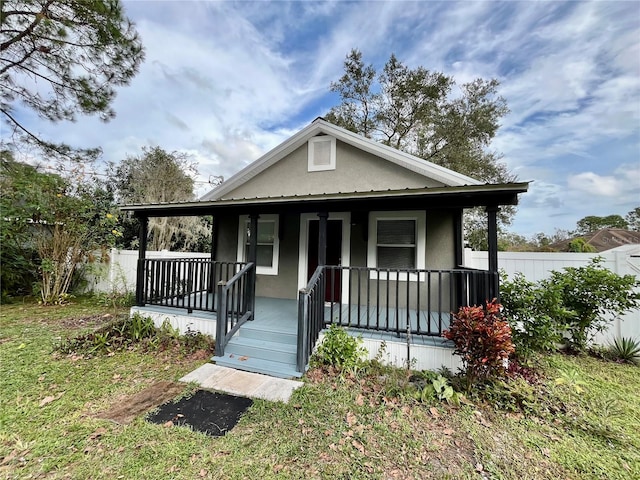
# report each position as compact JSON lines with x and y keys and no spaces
{"x":158,"y":176}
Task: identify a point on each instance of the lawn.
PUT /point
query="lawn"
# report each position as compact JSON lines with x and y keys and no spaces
{"x":581,"y":421}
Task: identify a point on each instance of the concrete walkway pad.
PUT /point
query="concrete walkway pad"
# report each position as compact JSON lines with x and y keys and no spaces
{"x":245,"y":384}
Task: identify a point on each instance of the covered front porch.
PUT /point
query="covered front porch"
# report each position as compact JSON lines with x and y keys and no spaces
{"x":283,"y":269}
{"x":405,"y":309}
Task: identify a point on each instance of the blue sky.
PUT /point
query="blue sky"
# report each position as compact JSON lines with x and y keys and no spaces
{"x":227,"y":81}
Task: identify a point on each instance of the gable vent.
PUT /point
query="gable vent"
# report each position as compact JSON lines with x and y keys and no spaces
{"x":322,"y":154}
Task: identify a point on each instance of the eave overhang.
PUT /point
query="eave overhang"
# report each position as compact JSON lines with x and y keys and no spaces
{"x":466,"y":196}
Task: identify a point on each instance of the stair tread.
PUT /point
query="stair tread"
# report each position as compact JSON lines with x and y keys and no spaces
{"x":264,"y":344}
{"x":258,"y":365}
{"x":269,"y":328}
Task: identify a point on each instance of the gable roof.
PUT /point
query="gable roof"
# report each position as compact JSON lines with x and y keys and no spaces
{"x":603,"y":239}
{"x":320,"y":126}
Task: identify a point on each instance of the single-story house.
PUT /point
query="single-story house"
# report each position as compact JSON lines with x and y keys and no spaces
{"x":329,"y":227}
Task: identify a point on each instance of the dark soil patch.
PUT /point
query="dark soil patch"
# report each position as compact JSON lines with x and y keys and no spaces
{"x":208,"y":412}
{"x":91,"y":322}
{"x":131,"y":406}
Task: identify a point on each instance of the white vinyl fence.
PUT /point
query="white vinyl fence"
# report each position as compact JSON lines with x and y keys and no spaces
{"x":537,"y":266}
{"x":120,"y":272}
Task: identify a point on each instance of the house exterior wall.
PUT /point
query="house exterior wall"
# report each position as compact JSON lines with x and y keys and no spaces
{"x":439,"y":255}
{"x":285,"y":284}
{"x":356,"y":171}
{"x":227,"y":238}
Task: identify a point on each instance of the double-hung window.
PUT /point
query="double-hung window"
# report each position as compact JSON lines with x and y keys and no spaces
{"x":397,"y":240}
{"x":396,"y":243}
{"x":268,"y":243}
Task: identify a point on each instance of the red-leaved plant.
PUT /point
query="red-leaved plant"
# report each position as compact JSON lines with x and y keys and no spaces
{"x":483,"y":339}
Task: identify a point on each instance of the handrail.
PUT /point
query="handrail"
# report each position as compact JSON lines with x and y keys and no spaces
{"x":311,"y":316}
{"x":236,"y":304}
{"x":187,"y":283}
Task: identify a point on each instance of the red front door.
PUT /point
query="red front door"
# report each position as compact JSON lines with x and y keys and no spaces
{"x":334,"y":256}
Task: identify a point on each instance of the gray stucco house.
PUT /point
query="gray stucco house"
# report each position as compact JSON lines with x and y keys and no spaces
{"x":328,"y":227}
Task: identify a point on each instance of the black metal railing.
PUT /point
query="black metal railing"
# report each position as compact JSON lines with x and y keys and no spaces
{"x":187,"y":283}
{"x":236,"y":304}
{"x":311,"y":316}
{"x":399,"y":301}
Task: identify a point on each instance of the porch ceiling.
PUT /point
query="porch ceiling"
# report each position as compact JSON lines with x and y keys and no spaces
{"x":408,"y":199}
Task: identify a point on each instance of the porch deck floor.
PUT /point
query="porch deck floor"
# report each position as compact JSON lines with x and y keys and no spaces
{"x":280,"y":314}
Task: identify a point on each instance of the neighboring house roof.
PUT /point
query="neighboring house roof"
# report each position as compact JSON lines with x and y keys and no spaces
{"x":603,"y":239}
{"x":319,"y":126}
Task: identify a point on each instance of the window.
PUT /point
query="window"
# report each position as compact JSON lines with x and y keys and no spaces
{"x":396,"y":243}
{"x":321,"y":154}
{"x":268,"y":243}
{"x":397,"y":240}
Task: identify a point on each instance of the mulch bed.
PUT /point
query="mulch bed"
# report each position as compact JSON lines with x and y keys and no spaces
{"x":208,"y":412}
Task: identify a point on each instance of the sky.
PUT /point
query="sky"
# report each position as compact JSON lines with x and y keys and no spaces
{"x":225,"y":82}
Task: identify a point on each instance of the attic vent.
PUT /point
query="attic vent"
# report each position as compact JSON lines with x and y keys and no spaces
{"x":322,"y":154}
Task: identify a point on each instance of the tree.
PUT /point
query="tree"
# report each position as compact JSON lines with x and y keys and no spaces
{"x":416,"y":110}
{"x":633,"y":219}
{"x":64,"y":58}
{"x":157,"y":176}
{"x":62,"y":220}
{"x":592,"y":223}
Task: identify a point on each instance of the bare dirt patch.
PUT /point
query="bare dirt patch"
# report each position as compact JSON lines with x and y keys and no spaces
{"x":131,"y":406}
{"x":90,"y":322}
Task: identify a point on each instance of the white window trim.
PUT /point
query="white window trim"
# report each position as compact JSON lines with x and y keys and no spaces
{"x":242,"y":241}
{"x":303,"y":257}
{"x":311,"y":167}
{"x":420,"y":218}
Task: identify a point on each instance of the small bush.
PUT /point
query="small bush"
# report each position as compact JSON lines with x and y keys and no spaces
{"x":625,"y":349}
{"x":339,"y":349}
{"x":535,"y":313}
{"x":483,"y":339}
{"x":595,"y":295}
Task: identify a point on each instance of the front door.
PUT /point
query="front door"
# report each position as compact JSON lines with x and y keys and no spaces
{"x":333,"y":285}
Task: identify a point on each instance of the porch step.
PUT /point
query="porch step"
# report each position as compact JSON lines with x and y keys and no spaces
{"x":269,"y":334}
{"x":260,"y":348}
{"x":253,"y":348}
{"x":258,"y":365}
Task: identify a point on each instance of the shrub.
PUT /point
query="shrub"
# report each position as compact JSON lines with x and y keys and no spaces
{"x":625,"y":349}
{"x":483,"y":339}
{"x":595,"y":296}
{"x":339,"y":349}
{"x":535,"y":313}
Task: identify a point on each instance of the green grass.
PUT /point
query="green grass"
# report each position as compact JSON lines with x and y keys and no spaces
{"x":348,"y":426}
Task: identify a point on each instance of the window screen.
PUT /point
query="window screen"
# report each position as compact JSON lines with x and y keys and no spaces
{"x":396,"y":243}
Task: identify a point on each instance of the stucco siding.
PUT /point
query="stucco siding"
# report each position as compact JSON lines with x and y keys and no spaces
{"x":356,"y":171}
{"x":440,"y":246}
{"x":227,"y":238}
{"x":285,"y":284}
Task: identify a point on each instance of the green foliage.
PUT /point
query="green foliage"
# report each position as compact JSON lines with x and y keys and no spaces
{"x":593,"y":223}
{"x":482,"y":338}
{"x":576,"y":302}
{"x":339,"y":349}
{"x":431,"y":386}
{"x":625,"y":349}
{"x":64,"y":58}
{"x":633,"y":219}
{"x":158,"y":176}
{"x":127,"y":332}
{"x":595,"y":295}
{"x":61,"y":222}
{"x":423,"y":113}
{"x":579,"y":245}
{"x":535,"y":313}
